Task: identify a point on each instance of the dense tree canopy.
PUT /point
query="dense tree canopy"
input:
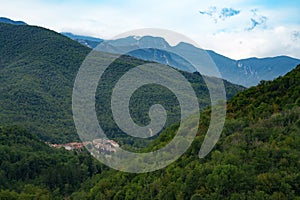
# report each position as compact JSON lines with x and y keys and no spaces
{"x":257,"y":157}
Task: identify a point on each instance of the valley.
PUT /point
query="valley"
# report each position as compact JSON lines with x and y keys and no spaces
{"x":42,"y":156}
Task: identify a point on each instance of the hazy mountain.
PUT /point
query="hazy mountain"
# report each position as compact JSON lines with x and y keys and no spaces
{"x":246,"y":72}
{"x":9,"y":21}
{"x":251,"y":71}
{"x":88,"y":41}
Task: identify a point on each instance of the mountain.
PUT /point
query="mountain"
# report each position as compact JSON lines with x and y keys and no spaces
{"x":37,"y":72}
{"x":251,"y":71}
{"x":90,"y":42}
{"x":257,"y":156}
{"x":246,"y":72}
{"x":9,"y":21}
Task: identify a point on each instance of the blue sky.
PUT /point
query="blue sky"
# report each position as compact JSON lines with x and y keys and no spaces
{"x":235,"y":28}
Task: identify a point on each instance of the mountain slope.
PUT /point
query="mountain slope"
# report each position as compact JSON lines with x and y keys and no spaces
{"x":272,"y":96}
{"x":256,"y":157}
{"x":37,"y":72}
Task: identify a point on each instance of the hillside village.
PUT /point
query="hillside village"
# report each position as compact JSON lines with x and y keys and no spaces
{"x":101,"y":145}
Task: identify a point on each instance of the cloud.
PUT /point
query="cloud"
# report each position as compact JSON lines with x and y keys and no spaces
{"x":228,"y":12}
{"x":210,"y":12}
{"x":296,"y":35}
{"x":259,"y":43}
{"x":217,"y":14}
{"x":257,"y":20}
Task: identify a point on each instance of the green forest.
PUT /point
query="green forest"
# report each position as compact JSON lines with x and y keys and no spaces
{"x":257,"y":156}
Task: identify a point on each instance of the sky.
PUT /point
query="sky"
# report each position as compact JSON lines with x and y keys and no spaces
{"x":235,"y":28}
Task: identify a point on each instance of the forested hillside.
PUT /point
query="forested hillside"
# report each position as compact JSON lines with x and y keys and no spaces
{"x":37,"y":69}
{"x":257,"y":156}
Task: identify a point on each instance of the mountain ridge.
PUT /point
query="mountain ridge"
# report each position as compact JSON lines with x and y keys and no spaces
{"x":88,"y":41}
{"x":247,"y":72}
{"x":9,"y":21}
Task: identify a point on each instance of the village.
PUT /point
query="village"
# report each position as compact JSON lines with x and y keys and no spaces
{"x":101,"y":145}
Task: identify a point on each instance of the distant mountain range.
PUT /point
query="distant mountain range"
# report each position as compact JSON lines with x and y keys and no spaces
{"x":88,"y":41}
{"x":247,"y":72}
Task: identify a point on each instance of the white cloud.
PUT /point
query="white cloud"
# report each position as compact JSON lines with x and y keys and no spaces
{"x":257,"y":20}
{"x":260,"y":43}
{"x":217,"y":14}
{"x":296,"y":36}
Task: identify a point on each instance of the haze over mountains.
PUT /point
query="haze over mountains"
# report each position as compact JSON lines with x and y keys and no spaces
{"x":247,"y":72}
